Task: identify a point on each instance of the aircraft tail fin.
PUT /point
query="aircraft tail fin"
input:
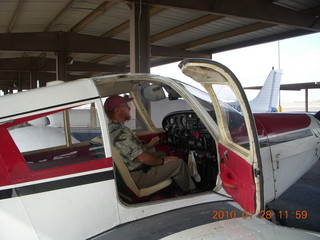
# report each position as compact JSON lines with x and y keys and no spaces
{"x":266,"y":100}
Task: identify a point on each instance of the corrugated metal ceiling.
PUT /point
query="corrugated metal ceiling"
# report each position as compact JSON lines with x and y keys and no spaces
{"x":199,"y":27}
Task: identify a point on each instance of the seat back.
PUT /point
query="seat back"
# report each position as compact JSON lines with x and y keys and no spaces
{"x":126,"y":176}
{"x":124,"y":172}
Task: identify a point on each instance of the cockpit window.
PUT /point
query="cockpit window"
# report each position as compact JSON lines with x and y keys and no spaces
{"x":60,"y":138}
{"x":174,"y":102}
{"x":232,"y":116}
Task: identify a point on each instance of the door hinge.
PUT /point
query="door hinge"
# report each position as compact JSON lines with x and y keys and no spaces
{"x":277,"y":160}
{"x":257,"y":172}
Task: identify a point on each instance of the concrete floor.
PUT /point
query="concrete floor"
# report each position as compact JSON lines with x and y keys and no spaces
{"x":304,"y":195}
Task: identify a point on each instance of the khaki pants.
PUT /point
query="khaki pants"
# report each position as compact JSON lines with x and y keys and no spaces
{"x":176,"y":170}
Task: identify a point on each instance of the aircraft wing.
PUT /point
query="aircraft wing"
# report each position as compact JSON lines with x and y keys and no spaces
{"x":292,"y":86}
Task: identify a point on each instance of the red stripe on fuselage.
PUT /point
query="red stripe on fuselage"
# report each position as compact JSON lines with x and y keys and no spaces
{"x":276,"y":123}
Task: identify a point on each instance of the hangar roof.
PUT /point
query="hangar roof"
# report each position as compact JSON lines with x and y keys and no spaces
{"x":96,"y":33}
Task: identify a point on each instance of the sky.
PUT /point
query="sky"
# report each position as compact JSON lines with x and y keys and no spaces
{"x":299,"y":59}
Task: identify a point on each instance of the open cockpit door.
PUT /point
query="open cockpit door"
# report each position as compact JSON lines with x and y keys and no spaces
{"x":238,"y":148}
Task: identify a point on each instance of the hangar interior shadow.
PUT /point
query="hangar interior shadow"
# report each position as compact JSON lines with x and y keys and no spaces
{"x":301,"y":202}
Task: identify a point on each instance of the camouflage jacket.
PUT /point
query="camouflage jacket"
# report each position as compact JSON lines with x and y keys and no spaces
{"x":127,"y":143}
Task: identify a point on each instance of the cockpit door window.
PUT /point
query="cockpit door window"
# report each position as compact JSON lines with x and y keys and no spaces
{"x":240,"y":161}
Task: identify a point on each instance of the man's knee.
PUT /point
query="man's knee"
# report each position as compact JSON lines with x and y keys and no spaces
{"x":179,"y":163}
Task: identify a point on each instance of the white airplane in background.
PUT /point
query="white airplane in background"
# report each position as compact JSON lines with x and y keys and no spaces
{"x":265,"y":101}
{"x":267,"y":98}
{"x":79,"y":188}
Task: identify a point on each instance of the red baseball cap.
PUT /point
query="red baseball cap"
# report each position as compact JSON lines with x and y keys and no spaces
{"x":114,"y":101}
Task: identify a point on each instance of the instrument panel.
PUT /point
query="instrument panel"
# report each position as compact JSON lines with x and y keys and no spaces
{"x":185,"y":132}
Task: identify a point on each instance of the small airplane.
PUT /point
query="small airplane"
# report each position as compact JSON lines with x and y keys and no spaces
{"x":265,"y":101}
{"x":57,"y":185}
{"x":267,"y":98}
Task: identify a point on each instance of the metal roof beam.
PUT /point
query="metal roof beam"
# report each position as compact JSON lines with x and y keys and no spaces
{"x":257,"y":10}
{"x":15,"y":15}
{"x":158,"y":51}
{"x":120,"y":28}
{"x":101,"y":9}
{"x":78,"y":43}
{"x":312,"y":11}
{"x":63,"y":10}
{"x":47,"y":64}
{"x":184,"y":27}
{"x":125,"y":25}
{"x":61,"y":41}
{"x":225,"y":35}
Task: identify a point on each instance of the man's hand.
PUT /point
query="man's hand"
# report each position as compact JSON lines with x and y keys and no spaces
{"x":154,"y":141}
{"x":168,"y":159}
{"x":151,"y":160}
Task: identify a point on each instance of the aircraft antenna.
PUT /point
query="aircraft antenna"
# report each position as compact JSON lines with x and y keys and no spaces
{"x":278,"y":54}
{"x":279,"y":105}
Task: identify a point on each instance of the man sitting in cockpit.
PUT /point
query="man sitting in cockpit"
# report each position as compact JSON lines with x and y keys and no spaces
{"x":147,"y":169}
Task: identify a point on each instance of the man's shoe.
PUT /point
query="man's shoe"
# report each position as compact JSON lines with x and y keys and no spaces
{"x":193,"y":191}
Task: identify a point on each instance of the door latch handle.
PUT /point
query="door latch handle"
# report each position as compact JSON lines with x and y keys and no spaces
{"x":225,"y":155}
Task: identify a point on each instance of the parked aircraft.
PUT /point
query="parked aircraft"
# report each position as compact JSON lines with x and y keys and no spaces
{"x":265,"y":101}
{"x":268,"y":96}
{"x":79,"y":188}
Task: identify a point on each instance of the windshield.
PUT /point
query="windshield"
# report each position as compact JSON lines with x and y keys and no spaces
{"x":229,"y":107}
{"x":225,"y":101}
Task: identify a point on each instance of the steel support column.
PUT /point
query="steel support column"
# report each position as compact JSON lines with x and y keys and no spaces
{"x":33,"y":80}
{"x":306,"y":100}
{"x":139,"y":39}
{"x":61,"y":66}
{"x":139,"y":47}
